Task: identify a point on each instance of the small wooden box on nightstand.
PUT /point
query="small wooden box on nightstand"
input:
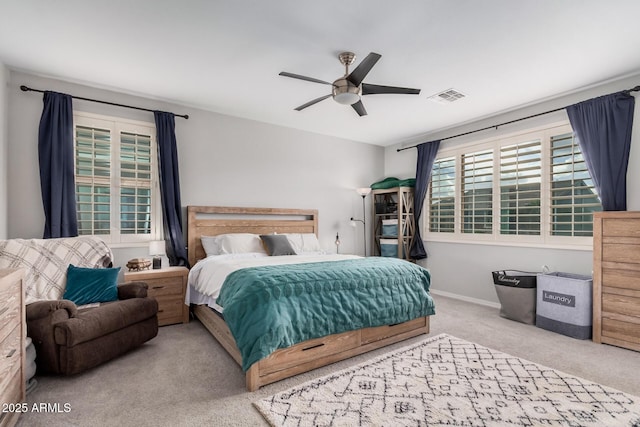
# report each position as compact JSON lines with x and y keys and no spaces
{"x":168,"y":286}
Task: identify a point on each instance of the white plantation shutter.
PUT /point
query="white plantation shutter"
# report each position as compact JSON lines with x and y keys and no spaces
{"x":116,"y":179}
{"x":573,"y":197}
{"x":442,"y":196}
{"x":135,"y":183}
{"x":477,"y":192}
{"x":520,"y":182}
{"x":93,"y":180}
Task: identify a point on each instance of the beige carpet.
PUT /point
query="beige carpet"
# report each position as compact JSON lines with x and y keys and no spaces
{"x":446,"y":381}
{"x":183,"y":377}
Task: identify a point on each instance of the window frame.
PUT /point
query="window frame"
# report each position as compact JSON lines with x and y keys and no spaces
{"x":116,"y":126}
{"x":545,"y":239}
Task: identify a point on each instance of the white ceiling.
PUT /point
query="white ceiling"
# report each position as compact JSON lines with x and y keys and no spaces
{"x":225,"y":55}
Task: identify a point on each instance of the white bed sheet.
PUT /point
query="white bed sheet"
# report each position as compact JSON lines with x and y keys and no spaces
{"x":194,"y":297}
{"x":207,"y":276}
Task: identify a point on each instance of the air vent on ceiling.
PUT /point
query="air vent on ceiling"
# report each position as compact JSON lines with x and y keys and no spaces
{"x":447,"y":96}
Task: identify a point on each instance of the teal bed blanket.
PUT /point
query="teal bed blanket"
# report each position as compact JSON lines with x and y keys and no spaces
{"x":272,"y":307}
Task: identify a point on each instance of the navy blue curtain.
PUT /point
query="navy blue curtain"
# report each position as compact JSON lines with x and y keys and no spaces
{"x":57,"y":176}
{"x":170,"y":188}
{"x":426,"y":155}
{"x":603,"y":129}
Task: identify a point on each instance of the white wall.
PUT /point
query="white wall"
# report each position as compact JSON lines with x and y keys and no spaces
{"x":224,"y":161}
{"x":465,"y":269}
{"x":4,"y":138}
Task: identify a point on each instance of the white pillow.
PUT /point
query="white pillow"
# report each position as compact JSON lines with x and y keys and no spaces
{"x":304,"y":242}
{"x":210,"y":244}
{"x":236,"y":243}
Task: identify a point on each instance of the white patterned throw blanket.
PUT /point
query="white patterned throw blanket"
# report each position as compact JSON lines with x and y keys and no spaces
{"x":46,"y":262}
{"x":446,"y":381}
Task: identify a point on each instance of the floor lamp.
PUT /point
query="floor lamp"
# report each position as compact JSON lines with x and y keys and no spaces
{"x":363,"y":192}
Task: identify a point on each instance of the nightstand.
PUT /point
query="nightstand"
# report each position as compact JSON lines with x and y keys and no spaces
{"x":168,"y":286}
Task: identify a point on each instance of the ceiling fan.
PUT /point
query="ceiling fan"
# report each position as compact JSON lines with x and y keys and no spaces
{"x":349,"y":88}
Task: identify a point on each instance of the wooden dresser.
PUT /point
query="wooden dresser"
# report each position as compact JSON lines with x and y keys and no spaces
{"x":168,"y":286}
{"x":12,"y":346}
{"x":616,"y":279}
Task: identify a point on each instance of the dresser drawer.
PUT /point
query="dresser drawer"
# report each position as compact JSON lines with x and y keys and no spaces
{"x":11,"y":386}
{"x":9,"y":308}
{"x":382,"y":332}
{"x":12,"y":393}
{"x":621,"y":253}
{"x":621,"y":330}
{"x":11,"y":353}
{"x":619,"y":278}
{"x":621,"y":227}
{"x":310,"y":350}
{"x":616,"y":305}
{"x":164,"y":286}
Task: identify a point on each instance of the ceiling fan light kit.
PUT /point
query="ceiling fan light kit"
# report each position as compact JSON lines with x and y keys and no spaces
{"x":348,"y":89}
{"x":345,"y":92}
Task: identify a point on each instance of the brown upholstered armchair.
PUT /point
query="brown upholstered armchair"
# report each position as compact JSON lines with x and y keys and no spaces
{"x":69,"y":339}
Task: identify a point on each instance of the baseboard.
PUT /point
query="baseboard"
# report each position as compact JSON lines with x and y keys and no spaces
{"x":465,"y":298}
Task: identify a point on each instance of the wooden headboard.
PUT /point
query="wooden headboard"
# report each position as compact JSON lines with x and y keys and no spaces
{"x":215,"y":220}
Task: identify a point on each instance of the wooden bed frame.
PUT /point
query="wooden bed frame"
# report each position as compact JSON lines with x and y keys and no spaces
{"x":301,"y":357}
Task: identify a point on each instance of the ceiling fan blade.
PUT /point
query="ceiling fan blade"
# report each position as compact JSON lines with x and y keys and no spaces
{"x":360,"y":72}
{"x":310,"y":103}
{"x":368,"y":89}
{"x":309,"y":79}
{"x":359,"y":107}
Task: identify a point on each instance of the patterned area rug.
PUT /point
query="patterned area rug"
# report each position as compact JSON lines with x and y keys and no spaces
{"x":446,"y":381}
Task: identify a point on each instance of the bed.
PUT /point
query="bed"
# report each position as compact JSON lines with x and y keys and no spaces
{"x":308,"y":351}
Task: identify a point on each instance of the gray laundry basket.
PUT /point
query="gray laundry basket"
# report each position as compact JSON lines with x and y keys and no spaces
{"x":516,"y":291}
{"x":564,"y":304}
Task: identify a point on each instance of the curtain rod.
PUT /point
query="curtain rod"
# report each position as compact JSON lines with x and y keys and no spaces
{"x":635,"y":89}
{"x":28,"y":89}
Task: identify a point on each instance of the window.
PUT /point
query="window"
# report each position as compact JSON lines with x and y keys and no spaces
{"x":477,"y":192}
{"x":116,"y":179}
{"x":520,"y":185}
{"x":442,"y":195}
{"x":527,"y":188}
{"x":573,"y":197}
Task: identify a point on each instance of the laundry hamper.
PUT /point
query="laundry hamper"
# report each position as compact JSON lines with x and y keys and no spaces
{"x":516,"y":291}
{"x":564,"y":304}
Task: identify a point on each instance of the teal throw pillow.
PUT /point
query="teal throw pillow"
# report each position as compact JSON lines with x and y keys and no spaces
{"x":89,"y":285}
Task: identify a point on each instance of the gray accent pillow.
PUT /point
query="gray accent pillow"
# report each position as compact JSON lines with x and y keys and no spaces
{"x":277,"y":244}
